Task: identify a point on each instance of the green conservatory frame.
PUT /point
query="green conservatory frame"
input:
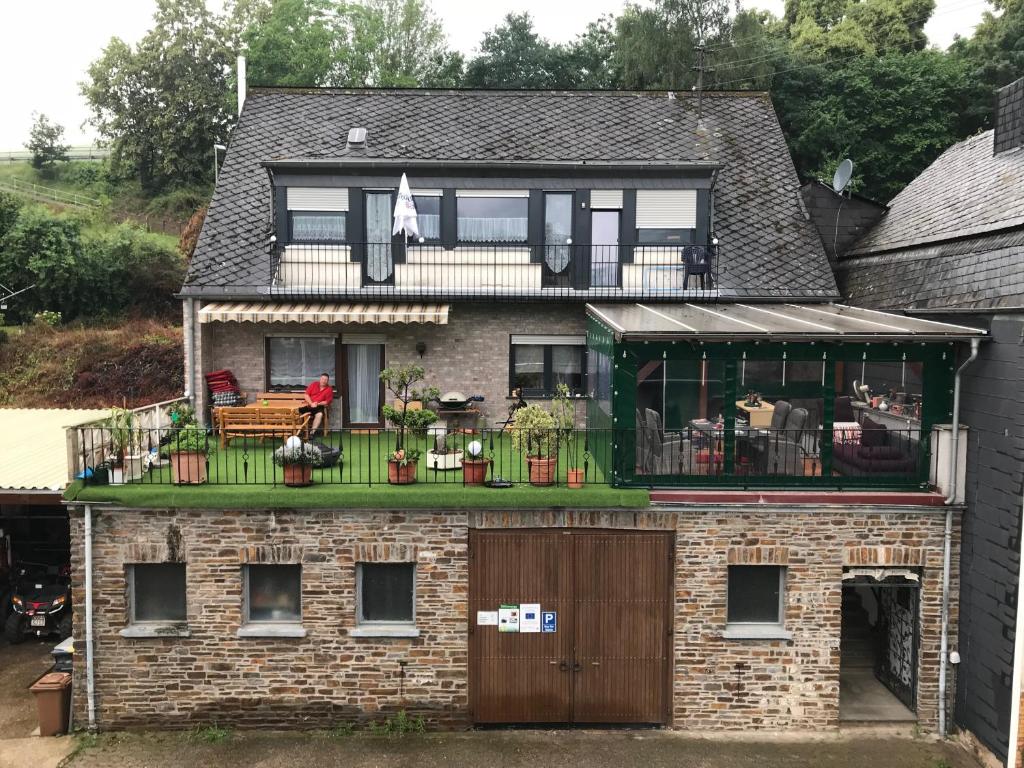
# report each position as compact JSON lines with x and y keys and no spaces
{"x":613,"y":372}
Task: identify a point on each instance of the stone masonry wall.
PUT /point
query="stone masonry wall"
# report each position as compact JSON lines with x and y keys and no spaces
{"x":330,"y":676}
{"x":470,"y":354}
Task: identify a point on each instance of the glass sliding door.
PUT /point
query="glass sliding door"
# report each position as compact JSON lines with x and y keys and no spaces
{"x":379,"y":218}
{"x":604,"y":251}
{"x":363,"y":364}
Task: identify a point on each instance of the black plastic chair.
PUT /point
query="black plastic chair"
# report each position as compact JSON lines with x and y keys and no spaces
{"x":696,"y":262}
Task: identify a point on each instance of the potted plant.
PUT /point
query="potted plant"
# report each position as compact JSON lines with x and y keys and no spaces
{"x":297,"y":460}
{"x":443,"y":457}
{"x":401,"y":382}
{"x":188,"y":449}
{"x":535,"y":434}
{"x":563,"y":410}
{"x":125,"y":443}
{"x":402,"y":466}
{"x":475,"y":464}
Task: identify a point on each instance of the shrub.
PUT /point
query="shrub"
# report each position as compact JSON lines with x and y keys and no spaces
{"x":47,"y":317}
{"x":535,"y":432}
{"x":190,"y":440}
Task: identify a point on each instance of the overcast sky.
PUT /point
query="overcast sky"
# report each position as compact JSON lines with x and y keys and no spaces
{"x":42,"y":67}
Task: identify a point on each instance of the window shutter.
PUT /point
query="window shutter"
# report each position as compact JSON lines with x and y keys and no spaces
{"x":608,"y":199}
{"x":666,"y":208}
{"x":317,"y":199}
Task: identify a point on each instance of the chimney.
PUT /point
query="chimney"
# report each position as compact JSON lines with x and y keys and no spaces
{"x":241,"y":83}
{"x":1009,"y":133}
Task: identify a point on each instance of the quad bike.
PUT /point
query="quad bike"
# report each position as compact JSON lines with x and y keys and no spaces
{"x":40,"y":602}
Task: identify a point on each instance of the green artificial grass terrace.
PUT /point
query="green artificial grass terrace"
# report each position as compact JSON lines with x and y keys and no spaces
{"x":243,"y":476}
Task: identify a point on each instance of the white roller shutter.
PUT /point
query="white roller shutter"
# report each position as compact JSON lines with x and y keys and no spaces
{"x":606,"y":198}
{"x":666,"y":208}
{"x":317,"y":199}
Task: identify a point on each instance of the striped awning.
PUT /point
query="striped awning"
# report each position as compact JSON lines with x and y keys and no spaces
{"x":262,"y":312}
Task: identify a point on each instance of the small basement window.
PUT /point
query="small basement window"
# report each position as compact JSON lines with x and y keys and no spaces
{"x":156,"y":600}
{"x":272,"y":601}
{"x":385,"y":597}
{"x":756,"y":602}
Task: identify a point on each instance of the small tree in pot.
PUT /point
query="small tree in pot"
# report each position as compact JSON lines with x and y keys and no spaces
{"x":188,"y":449}
{"x":563,"y":410}
{"x":125,"y":440}
{"x":401,"y":382}
{"x":297,"y":460}
{"x":535,"y":434}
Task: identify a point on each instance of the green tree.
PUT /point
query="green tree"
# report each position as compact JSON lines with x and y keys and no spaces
{"x":398,"y":43}
{"x":892,"y":114}
{"x":10,"y":205}
{"x":591,"y":57}
{"x":297,"y":43}
{"x":45,"y":142}
{"x":994,"y":55}
{"x":513,"y":55}
{"x":164,"y":103}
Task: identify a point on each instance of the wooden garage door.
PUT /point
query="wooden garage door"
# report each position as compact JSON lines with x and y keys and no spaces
{"x":608,"y":660}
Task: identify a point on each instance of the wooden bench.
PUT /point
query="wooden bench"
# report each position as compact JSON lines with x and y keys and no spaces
{"x":250,"y":421}
{"x":294,"y":400}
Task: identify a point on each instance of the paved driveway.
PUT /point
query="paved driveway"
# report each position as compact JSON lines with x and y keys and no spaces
{"x":510,"y":749}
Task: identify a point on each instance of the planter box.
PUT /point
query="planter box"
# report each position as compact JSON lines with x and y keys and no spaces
{"x":402,"y":474}
{"x":129,"y":471}
{"x":297,"y":475}
{"x":444,"y":461}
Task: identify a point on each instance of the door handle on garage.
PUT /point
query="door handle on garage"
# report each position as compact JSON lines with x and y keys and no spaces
{"x":576,"y":666}
{"x":563,"y":666}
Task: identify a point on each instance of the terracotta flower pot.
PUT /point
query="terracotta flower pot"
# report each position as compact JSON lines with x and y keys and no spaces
{"x":297,"y":475}
{"x":188,"y":467}
{"x":575,"y":478}
{"x":402,"y":474}
{"x":474,"y":471}
{"x":542,"y":469}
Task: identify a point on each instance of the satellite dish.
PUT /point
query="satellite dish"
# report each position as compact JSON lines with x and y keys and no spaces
{"x":842,"y":176}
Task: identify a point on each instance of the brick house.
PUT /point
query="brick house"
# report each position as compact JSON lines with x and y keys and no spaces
{"x":786,"y":561}
{"x":950,"y":248}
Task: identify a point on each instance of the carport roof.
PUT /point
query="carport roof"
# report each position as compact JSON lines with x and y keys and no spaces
{"x":783,"y":322}
{"x":33,"y":447}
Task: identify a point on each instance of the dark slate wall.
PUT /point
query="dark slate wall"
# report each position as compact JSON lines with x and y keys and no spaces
{"x":1009,"y":117}
{"x":993,"y":409}
{"x":856,"y":216}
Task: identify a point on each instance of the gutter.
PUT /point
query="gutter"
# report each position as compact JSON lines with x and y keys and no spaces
{"x":355,"y":161}
{"x":948,"y":538}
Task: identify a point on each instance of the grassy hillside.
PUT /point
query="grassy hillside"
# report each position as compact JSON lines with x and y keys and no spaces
{"x":116,"y":200}
{"x":137,"y":362}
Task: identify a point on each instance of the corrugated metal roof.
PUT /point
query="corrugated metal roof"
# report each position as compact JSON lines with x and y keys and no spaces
{"x":259,"y":312}
{"x":777,"y":321}
{"x":33,"y":446}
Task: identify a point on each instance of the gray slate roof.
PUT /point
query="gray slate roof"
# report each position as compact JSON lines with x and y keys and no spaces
{"x":966,"y":191}
{"x":953,"y":239}
{"x":768,"y":246}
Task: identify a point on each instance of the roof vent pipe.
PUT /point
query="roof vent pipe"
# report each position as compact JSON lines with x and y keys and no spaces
{"x":241,"y":83}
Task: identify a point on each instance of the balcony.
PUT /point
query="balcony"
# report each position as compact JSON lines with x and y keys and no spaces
{"x":506,"y":272}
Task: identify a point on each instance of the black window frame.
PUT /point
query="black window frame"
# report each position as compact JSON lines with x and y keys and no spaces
{"x":780,"y":619}
{"x":440,"y":218}
{"x":133,"y":594}
{"x":548,"y":390}
{"x":659,"y":236}
{"x":247,"y":617}
{"x":361,"y":620}
{"x":525,"y":242}
{"x":323,"y":214}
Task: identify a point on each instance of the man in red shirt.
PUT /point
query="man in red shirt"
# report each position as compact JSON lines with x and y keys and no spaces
{"x":318,"y":396}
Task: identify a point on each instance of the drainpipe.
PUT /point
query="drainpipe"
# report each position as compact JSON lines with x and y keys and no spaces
{"x":1018,"y":668}
{"x":948,"y":537}
{"x":190,"y":357}
{"x":90,"y":678}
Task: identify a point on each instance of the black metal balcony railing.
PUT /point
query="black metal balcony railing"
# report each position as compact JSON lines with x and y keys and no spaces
{"x":507,"y":271}
{"x":742,"y":457}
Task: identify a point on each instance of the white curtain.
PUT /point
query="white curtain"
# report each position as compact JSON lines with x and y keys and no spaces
{"x":295,"y":362}
{"x":363,"y":383}
{"x":498,"y":230}
{"x":378,"y":236}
